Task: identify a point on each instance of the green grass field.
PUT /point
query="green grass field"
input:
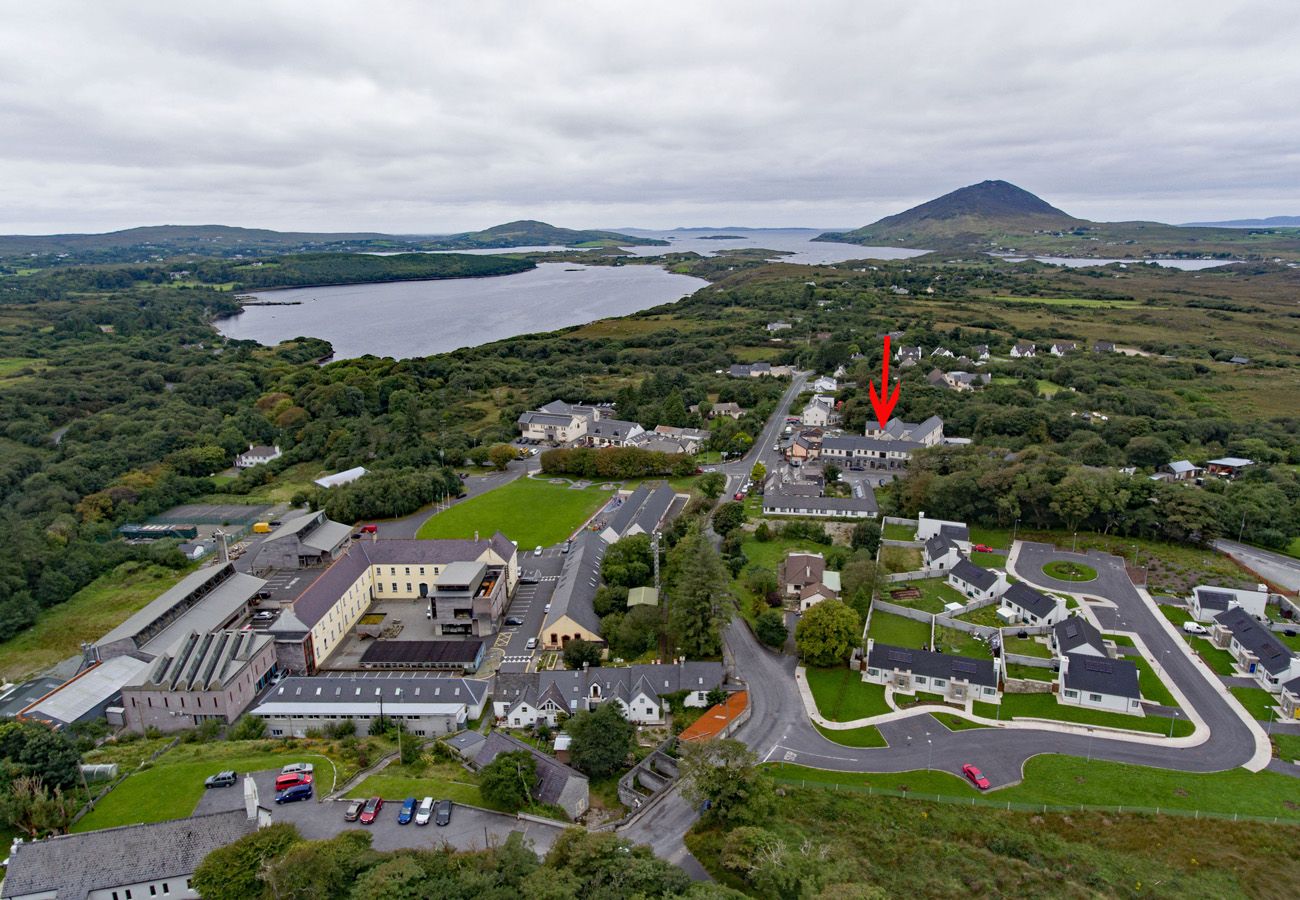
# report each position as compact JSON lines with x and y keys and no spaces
{"x":529,"y":511}
{"x":1044,"y":706}
{"x":1031,"y":673}
{"x":956,"y":723}
{"x":1025,"y":646}
{"x":1286,"y":746}
{"x":900,"y":559}
{"x":171,"y":788}
{"x":1258,"y":702}
{"x":1086,"y":302}
{"x":895,"y":532}
{"x":842,"y":695}
{"x":935,"y":593}
{"x":1149,"y":683}
{"x":985,"y":615}
{"x":442,"y":782}
{"x":9,"y":365}
{"x":959,"y":643}
{"x":97,"y":608}
{"x":1070,"y":571}
{"x":888,"y":628}
{"x":867,"y":736}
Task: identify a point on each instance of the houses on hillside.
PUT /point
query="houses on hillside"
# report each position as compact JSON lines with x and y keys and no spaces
{"x":958,"y":381}
{"x":1024,"y":350}
{"x":728,"y":409}
{"x":759,"y":370}
{"x":1180,"y":470}
{"x":257,"y":455}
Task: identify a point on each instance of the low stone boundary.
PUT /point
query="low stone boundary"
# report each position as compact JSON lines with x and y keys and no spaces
{"x":908,"y":576}
{"x":1037,"y":662}
{"x":1026,"y":686}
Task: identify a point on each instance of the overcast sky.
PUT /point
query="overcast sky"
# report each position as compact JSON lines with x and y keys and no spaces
{"x":435,"y":117}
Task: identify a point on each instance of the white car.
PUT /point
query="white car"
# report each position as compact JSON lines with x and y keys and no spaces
{"x":1195,"y":628}
{"x":532,"y":644}
{"x":538,"y":551}
{"x":425,"y":811}
{"x":294,"y":768}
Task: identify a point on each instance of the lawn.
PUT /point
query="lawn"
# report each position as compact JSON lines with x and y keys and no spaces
{"x":997,"y":538}
{"x":842,"y":696}
{"x":895,"y":532}
{"x":1025,"y":646}
{"x":1031,"y":673}
{"x":1088,"y":302}
{"x":1176,"y":614}
{"x":1069,"y":781}
{"x":1219,"y":660}
{"x":935,"y":593}
{"x":959,"y":643}
{"x":1258,"y":702}
{"x":1291,"y":640}
{"x":867,"y":736}
{"x":1070,"y":571}
{"x":10,"y":365}
{"x":1046,"y":388}
{"x":985,"y":615}
{"x":529,"y":511}
{"x":1286,"y":746}
{"x":900,"y":559}
{"x":1149,"y":683}
{"x":171,"y":788}
{"x":97,"y":608}
{"x":1044,"y":706}
{"x":989,"y":560}
{"x":1172,"y":569}
{"x":888,"y":628}
{"x":956,"y":723}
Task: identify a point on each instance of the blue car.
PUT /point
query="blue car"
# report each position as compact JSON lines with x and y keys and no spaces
{"x":408,"y":810}
{"x":293,"y":794}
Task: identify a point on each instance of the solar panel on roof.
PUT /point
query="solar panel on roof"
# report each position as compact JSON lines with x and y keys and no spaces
{"x":1092,"y":664}
{"x":1071,"y":631}
{"x":965,"y":667}
{"x":898,"y":656}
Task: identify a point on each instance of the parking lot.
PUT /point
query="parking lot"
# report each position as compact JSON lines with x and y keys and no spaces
{"x":529,"y":604}
{"x":317,"y":819}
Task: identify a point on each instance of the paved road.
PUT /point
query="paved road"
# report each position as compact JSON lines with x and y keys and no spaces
{"x":1279,"y":569}
{"x":737,"y":471}
{"x":529,"y":603}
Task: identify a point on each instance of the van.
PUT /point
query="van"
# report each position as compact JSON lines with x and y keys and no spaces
{"x":294,"y":794}
{"x":1195,"y":627}
{"x":261,"y":528}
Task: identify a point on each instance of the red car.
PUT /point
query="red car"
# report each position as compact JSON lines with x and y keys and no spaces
{"x":975,"y":776}
{"x":983,"y":548}
{"x":740,"y":495}
{"x":293,"y":778}
{"x":371,"y":811}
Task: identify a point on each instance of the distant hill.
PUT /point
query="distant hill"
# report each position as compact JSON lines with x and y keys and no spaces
{"x":997,"y":215}
{"x":530,"y":233}
{"x":1270,"y":222}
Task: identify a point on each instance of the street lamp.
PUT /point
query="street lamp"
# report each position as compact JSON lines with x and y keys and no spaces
{"x":1172,"y":719}
{"x":929,"y":760}
{"x":1014,"y":529}
{"x":1074,"y":547}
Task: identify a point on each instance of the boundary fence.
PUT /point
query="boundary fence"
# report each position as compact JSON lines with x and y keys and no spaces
{"x":1012,"y":806}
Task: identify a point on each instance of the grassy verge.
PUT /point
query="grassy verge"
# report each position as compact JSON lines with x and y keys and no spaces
{"x":956,"y":723}
{"x":438,"y":780}
{"x":887,"y":628}
{"x":1258,"y":702}
{"x":530,"y":511}
{"x":842,"y":696}
{"x":1044,"y":706}
{"x":1070,"y":571}
{"x":1149,"y":683}
{"x":1219,"y":660}
{"x":97,"y":608}
{"x":1286,"y":746}
{"x":868,"y":736}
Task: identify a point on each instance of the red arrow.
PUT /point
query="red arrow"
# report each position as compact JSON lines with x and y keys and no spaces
{"x":883,"y":403}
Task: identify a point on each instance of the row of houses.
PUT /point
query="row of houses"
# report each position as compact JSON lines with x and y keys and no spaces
{"x":805,"y":495}
{"x":564,"y":423}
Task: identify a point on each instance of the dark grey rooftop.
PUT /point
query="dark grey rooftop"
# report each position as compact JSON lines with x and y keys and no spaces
{"x":1117,"y":677}
{"x":1075,"y":632}
{"x":933,"y":665}
{"x":552,"y":775}
{"x":1273,"y":655}
{"x":429,"y":652}
{"x":970,"y":573}
{"x":1032,"y":601}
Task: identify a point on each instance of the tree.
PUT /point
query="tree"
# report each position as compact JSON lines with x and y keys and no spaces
{"x":604,"y":865}
{"x":247,"y":728}
{"x":699,"y":601}
{"x":509,"y":780}
{"x":326,"y":868}
{"x":28,"y":807}
{"x":831,"y":473}
{"x":628,"y":563}
{"x":609,"y":599}
{"x":827,"y":633}
{"x":758,"y":474}
{"x":861,"y":575}
{"x":602,"y":740}
{"x":34,"y":750}
{"x":770,"y":628}
{"x":580,"y":653}
{"x":728,"y":517}
{"x":233,"y":872}
{"x":725,"y":774}
{"x":711,"y":484}
{"x":866,"y":536}
{"x":1147,"y":452}
{"x":501,"y":455}
{"x":478,"y":455}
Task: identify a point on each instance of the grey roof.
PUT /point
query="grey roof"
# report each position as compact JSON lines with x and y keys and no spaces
{"x":203,"y":662}
{"x":85,"y":694}
{"x":656,"y":679}
{"x":1103,"y":347}
{"x":1031,"y":601}
{"x":21,"y":696}
{"x":1293,"y":686}
{"x":201,"y":601}
{"x":849,"y":444}
{"x":780,"y":498}
{"x":343,"y":687}
{"x":71,"y":866}
{"x":540,"y":418}
{"x":933,"y":665}
{"x":1180,"y":466}
{"x":1235,"y":462}
{"x":651,"y":514}
{"x":260,"y":450}
{"x":1117,"y":677}
{"x":465,"y":652}
{"x":553,"y":776}
{"x":612,"y":428}
{"x":622,"y":517}
{"x":327,"y":537}
{"x":295,"y":525}
{"x":466,"y":743}
{"x":955,"y":532}
{"x":576,"y":591}
{"x":937,"y":546}
{"x":1273,"y":655}
{"x":970,"y":573}
{"x":1076,"y":632}
{"x":1211,"y":599}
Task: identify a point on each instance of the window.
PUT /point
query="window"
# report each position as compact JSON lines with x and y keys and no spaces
{"x":1095,"y":698}
{"x":394,"y":587}
{"x":920,"y":679}
{"x":940,"y":682}
{"x":153,"y":890}
{"x":379,"y":586}
{"x":408,"y":587}
{"x":167,"y":888}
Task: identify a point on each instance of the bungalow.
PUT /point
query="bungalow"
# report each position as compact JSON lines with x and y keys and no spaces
{"x":612,"y":433}
{"x":641,"y":692}
{"x":758,"y":370}
{"x":428,"y":705}
{"x":914,"y":354}
{"x":928,"y":433}
{"x":799,"y":570}
{"x":957,"y":532}
{"x":1060,"y":348}
{"x":557,"y":784}
{"x":1289,"y":699}
{"x":778,"y":326}
{"x":731,"y":410}
{"x":955,"y":679}
{"x":977,"y":583}
{"x":1076,"y":635}
{"x":1228,"y":467}
{"x":1181,"y":470}
{"x":1103,"y":347}
{"x":958,"y":381}
{"x":980,"y":352}
{"x":1257,"y":651}
{"x":1207,"y":601}
{"x":1108,"y":684}
{"x":1023,"y":604}
{"x":691,"y":439}
{"x":816,"y":593}
{"x":1024,"y":350}
{"x":825,"y":384}
{"x":257,"y":456}
{"x":941,"y":351}
{"x":817,"y":413}
{"x":941,"y":553}
{"x":783,"y":498}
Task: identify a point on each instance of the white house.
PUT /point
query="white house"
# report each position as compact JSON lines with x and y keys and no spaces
{"x":980,"y":352}
{"x":1024,"y":605}
{"x":825,"y":384}
{"x":1255,"y":649}
{"x":1024,"y":350}
{"x":941,"y":351}
{"x":816,"y":414}
{"x":778,"y":326}
{"x":941,"y":553}
{"x":1207,"y":601}
{"x":827,"y":589}
{"x":976,"y":583}
{"x":1109,"y":684}
{"x":523,"y":699}
{"x":957,"y":532}
{"x":1060,"y":348}
{"x":954,"y":678}
{"x":257,"y":455}
{"x":1076,"y":635}
{"x":612,"y":433}
{"x":1289,"y":700}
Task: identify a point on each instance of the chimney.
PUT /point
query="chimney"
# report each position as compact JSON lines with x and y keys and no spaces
{"x":920,"y":515}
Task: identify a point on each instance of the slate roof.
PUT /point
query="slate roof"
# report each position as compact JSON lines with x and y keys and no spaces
{"x":1212,"y":599}
{"x":1103,"y":347}
{"x":1181,"y":466}
{"x":1031,"y":601}
{"x":553,"y":776}
{"x":544,"y":419}
{"x":967,"y":571}
{"x":656,"y":679}
{"x":1273,"y":655}
{"x":1117,"y":677}
{"x":955,"y":532}
{"x":849,"y":444}
{"x":1235,"y":462}
{"x":576,"y":590}
{"x":85,"y":694}
{"x":781,"y":498}
{"x":203,"y":662}
{"x":343,"y":688}
{"x":933,"y":665}
{"x":73,"y":865}
{"x":938,"y":546}
{"x":450,"y":652}
{"x":613,"y":429}
{"x":213,"y":593}
{"x":1076,"y":632}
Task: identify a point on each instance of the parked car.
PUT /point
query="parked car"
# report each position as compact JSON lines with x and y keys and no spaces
{"x":975,"y":777}
{"x":982,"y":548}
{"x":532,"y":644}
{"x":221,"y":779}
{"x":514,"y":620}
{"x":538,"y":550}
{"x":1195,"y":628}
{"x":370,"y":811}
{"x":369,"y":529}
{"x":294,"y":793}
{"x":263,"y":595}
{"x":287,"y":781}
{"x":444,"y":813}
{"x":264,"y":615}
{"x":740,"y":495}
{"x":290,"y":769}
{"x":407,"y":812}
{"x":424,"y":812}
{"x":353,"y":812}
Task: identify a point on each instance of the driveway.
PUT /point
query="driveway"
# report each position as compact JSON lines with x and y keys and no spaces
{"x":469,"y":829}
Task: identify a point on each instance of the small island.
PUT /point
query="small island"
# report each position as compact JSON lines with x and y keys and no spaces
{"x":723,"y":237}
